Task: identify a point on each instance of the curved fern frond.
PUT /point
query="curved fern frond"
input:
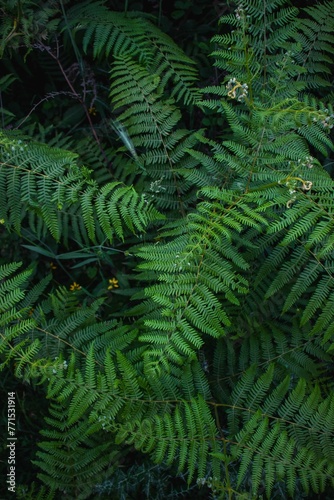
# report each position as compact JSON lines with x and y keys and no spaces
{"x":133,"y":35}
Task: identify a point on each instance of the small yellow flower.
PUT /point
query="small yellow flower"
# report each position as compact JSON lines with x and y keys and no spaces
{"x":113,"y":283}
{"x":75,"y":287}
{"x":52,"y":266}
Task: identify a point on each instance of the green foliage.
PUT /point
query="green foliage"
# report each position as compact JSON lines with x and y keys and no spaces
{"x":13,"y":323}
{"x":316,"y":39}
{"x":49,"y":187}
{"x":125,"y":34}
{"x":210,"y":352}
{"x":73,"y":453}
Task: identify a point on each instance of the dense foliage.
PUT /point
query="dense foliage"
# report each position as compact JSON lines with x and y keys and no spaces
{"x":167,"y":248}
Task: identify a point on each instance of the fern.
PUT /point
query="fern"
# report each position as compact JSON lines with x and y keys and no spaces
{"x":13,"y":323}
{"x":316,"y":39}
{"x":45,"y":182}
{"x":151,"y":81}
{"x":219,"y":366}
{"x":118,"y":34}
{"x":279,"y":452}
{"x":188,"y":434}
{"x":77,"y":461}
{"x":193,"y":270}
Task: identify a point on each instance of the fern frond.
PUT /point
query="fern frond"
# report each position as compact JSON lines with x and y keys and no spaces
{"x":190,"y":280}
{"x":263,"y":443}
{"x":316,"y":39}
{"x":194,"y":428}
{"x":74,"y":454}
{"x":14,"y":327}
{"x":59,"y":195}
{"x":132,"y":34}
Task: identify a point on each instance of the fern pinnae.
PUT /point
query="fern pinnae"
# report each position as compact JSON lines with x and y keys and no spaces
{"x":233,"y":299}
{"x":87,"y":211}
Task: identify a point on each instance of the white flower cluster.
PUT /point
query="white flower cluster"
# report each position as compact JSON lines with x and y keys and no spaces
{"x":237,"y":90}
{"x":61,"y":366}
{"x":326,"y":121}
{"x":144,"y":197}
{"x":104,"y":420}
{"x":180,"y":262}
{"x":240,"y":12}
{"x":156,"y":186}
{"x":16,"y":146}
{"x":209,"y":482}
{"x":309,"y":162}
